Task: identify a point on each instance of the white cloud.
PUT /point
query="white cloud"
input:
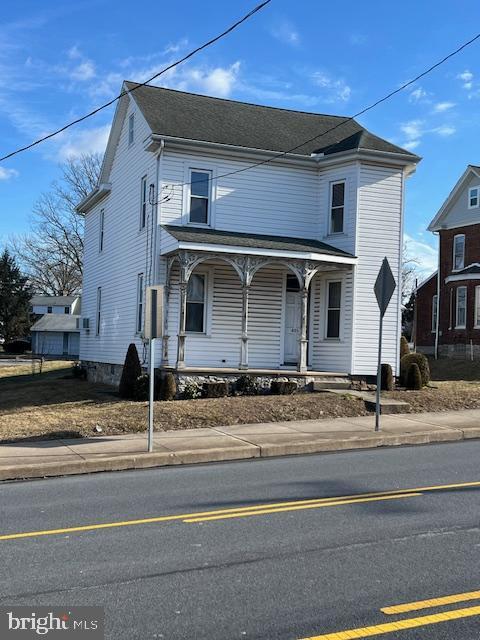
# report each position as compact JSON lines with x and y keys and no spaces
{"x":466,"y":77}
{"x":417,"y":95}
{"x":286,"y":32}
{"x":440,"y":107}
{"x":6,"y":174}
{"x":424,"y":255}
{"x":413,"y":129}
{"x":84,"y":71}
{"x":444,"y":130}
{"x":337,"y":89}
{"x":75,"y":143}
{"x":74,"y":53}
{"x":413,"y":144}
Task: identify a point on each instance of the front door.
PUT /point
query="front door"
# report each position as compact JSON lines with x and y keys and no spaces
{"x":292,"y":320}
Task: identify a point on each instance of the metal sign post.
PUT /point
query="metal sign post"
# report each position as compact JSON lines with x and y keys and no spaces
{"x":384,"y":287}
{"x":153,"y":330}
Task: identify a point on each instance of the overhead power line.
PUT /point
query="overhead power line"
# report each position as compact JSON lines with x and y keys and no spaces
{"x":232,"y":27}
{"x":402,"y":87}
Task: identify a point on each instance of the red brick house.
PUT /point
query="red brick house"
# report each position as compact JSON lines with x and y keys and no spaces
{"x":448,"y":303}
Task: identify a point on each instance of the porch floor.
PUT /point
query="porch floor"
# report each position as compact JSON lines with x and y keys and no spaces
{"x":284,"y":371}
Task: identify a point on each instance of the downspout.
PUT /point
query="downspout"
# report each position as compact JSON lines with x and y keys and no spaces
{"x":437,"y":323}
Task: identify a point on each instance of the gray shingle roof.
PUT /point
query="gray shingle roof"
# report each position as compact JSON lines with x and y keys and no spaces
{"x":472,"y":268}
{"x":52,"y":301}
{"x":197,"y":117}
{"x":251,"y":240}
{"x":56,"y":322}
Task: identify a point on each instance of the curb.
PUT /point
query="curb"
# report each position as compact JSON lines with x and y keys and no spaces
{"x":249,"y":451}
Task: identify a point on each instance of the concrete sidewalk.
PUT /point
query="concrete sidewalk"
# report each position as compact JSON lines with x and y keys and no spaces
{"x":114,"y":453}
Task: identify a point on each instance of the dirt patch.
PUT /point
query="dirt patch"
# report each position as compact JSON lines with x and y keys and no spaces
{"x":52,"y":404}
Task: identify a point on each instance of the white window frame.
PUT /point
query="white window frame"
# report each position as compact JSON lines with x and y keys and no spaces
{"x":328,"y":308}
{"x":98,"y":313}
{"x":204,"y":167}
{"x":207,"y":296}
{"x":470,"y":205}
{"x":476,"y":310}
{"x":209,"y":197}
{"x":460,"y":235}
{"x":331,"y":207}
{"x":139,"y":309}
{"x":143,"y":202}
{"x":131,"y":129}
{"x":434,"y":312}
{"x":101,"y":234}
{"x":457,"y":325}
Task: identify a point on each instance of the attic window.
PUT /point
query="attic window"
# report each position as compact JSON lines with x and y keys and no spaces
{"x":131,"y":129}
{"x":473,"y":197}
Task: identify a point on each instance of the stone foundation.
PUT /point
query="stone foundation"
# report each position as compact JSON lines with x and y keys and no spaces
{"x":103,"y":372}
{"x":459,"y":351}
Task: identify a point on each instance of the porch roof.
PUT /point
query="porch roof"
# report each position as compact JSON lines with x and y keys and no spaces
{"x":201,"y":239}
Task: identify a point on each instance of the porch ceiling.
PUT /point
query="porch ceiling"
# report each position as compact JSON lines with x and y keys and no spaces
{"x":200,"y":239}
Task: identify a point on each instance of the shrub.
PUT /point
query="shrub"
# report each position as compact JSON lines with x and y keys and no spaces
{"x":413,"y":377}
{"x":191,"y":391}
{"x":282,"y":387}
{"x":421,"y":361}
{"x":404,"y":348}
{"x":78,"y":371}
{"x":247,"y":386}
{"x":168,"y":387}
{"x":141,"y":389}
{"x":131,"y":371}
{"x":386,"y":378}
{"x":215,"y":389}
{"x":16,"y":346}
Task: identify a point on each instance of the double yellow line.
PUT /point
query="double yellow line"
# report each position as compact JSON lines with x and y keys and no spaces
{"x":411,"y":623}
{"x":248,"y":511}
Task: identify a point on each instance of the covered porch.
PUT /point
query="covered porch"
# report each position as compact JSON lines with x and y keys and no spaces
{"x":238,"y":302}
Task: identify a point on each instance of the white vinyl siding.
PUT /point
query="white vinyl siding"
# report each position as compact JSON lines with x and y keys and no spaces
{"x":140,"y":303}
{"x":434,"y":312}
{"x":458,"y":252}
{"x":461,"y":308}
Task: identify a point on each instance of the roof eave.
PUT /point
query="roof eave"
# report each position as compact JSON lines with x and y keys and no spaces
{"x":93,"y":198}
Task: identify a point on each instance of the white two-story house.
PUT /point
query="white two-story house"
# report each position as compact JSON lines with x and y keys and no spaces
{"x":268,"y":259}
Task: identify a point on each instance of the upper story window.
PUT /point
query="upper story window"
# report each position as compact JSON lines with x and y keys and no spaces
{"x":461,"y":308}
{"x":101,"y":230}
{"x":143,"y":202}
{"x":131,"y":129}
{"x":200,"y":196}
{"x":337,"y":206}
{"x":458,"y":252}
{"x":434,"y":312}
{"x":98,"y":313}
{"x":49,"y":310}
{"x":196,"y":303}
{"x":334,"y":302}
{"x":66,"y":311}
{"x":473,"y":197}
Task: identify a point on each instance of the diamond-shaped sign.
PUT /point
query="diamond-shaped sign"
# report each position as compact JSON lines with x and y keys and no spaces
{"x":384,"y":287}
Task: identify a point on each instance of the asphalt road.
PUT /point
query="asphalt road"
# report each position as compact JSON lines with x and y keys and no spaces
{"x":245,"y":570}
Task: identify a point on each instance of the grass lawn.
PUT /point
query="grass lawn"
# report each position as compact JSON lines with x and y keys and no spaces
{"x":56,"y":405}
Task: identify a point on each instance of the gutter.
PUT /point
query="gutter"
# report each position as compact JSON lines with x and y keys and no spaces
{"x":95,"y":196}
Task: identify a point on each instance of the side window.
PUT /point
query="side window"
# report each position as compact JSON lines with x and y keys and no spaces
{"x":101,"y":230}
{"x":196,"y":303}
{"x":66,"y":310}
{"x":337,"y":206}
{"x":99,"y":311}
{"x":473,"y":197}
{"x":200,"y":196}
{"x":458,"y":252}
{"x":434,"y":312}
{"x":131,"y":129}
{"x":334,"y":299}
{"x":49,"y":310}
{"x":140,"y":297}
{"x":143,"y":202}
{"x":461,"y":310}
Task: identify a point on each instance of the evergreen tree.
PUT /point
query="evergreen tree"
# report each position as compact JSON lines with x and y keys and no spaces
{"x":15,"y":294}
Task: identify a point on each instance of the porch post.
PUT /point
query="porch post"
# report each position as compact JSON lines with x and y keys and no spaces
{"x":244,"y":339}
{"x":302,"y":363}
{"x":182,"y":324}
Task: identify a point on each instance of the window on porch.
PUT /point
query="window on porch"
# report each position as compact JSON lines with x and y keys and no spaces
{"x":195,"y":312}
{"x":333,"y":310}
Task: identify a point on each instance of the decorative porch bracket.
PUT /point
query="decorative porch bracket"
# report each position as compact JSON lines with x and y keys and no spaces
{"x":305,"y":271}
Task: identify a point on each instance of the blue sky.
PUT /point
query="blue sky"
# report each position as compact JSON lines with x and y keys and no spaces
{"x":61,"y":59}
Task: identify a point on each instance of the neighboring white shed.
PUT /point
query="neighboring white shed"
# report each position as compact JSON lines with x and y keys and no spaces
{"x":56,"y":335}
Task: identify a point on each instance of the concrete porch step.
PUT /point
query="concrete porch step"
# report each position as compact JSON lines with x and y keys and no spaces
{"x":387,"y":405}
{"x":331,"y":384}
